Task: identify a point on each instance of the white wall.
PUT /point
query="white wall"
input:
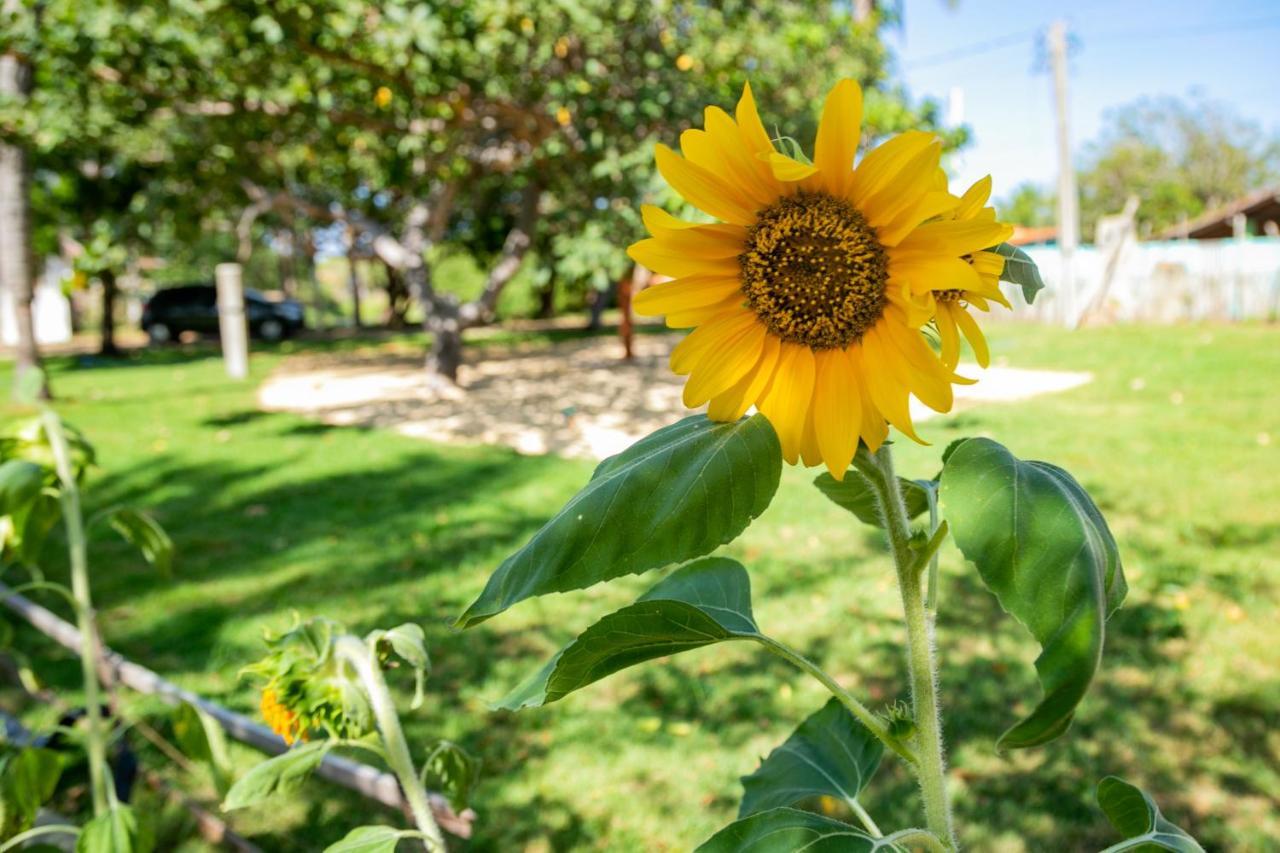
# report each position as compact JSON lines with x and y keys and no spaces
{"x":50,"y":309}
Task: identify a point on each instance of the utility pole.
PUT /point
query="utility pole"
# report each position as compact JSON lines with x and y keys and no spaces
{"x":1068,"y":201}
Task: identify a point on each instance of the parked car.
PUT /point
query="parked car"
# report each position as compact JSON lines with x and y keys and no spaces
{"x":194,"y":308}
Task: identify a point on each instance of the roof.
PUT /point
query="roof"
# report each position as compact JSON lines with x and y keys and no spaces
{"x":1258,"y":207}
{"x":1025,"y":236}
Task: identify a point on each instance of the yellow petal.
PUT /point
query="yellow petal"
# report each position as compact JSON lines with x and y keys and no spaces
{"x":974,"y":198}
{"x":890,"y":397}
{"x":688,"y":317}
{"x":837,"y":140}
{"x":663,"y":257}
{"x":752,"y":129}
{"x":874,"y":429}
{"x":929,"y":205}
{"x":663,"y":225}
{"x":973,"y":335}
{"x":719,"y":372}
{"x":683,"y":293}
{"x":956,"y":237}
{"x":883,"y":164}
{"x":702,"y":189}
{"x":756,"y":182}
{"x":810,"y":454}
{"x":947,"y":332}
{"x":904,"y":189}
{"x":922,"y":371}
{"x":689,"y":352}
{"x":733,"y":403}
{"x":932,"y":272}
{"x":786,"y":169}
{"x":786,"y":401}
{"x":837,"y":410}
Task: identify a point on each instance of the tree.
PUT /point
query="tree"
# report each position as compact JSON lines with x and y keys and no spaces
{"x":17,"y":272}
{"x":1029,"y":205}
{"x":1180,"y":157}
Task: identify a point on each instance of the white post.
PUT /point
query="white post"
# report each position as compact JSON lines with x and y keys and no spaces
{"x":1068,"y":202}
{"x":233,"y":327}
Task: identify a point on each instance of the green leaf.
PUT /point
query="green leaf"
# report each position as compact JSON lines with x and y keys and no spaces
{"x":202,"y":739}
{"x":27,"y":781}
{"x":785,"y":831}
{"x":1042,"y":546}
{"x":452,"y":771}
{"x":20,"y":484}
{"x":282,"y":774}
{"x":369,"y":839}
{"x":674,"y":495}
{"x":409,"y":642}
{"x":1020,"y":270}
{"x":1135,"y":816}
{"x":856,"y":494}
{"x":829,"y":754}
{"x":705,"y":602}
{"x":120,"y":830}
{"x":31,"y":527}
{"x":145,"y":532}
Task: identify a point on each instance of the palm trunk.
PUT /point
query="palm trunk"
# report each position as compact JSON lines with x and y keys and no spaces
{"x":17,"y":273}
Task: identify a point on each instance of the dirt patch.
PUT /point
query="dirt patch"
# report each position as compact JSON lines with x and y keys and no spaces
{"x":576,"y":398}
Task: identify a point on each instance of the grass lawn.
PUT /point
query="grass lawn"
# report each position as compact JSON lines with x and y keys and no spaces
{"x":1176,"y":438}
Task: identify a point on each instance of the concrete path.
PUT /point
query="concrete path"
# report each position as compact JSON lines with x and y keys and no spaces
{"x":575,"y":398}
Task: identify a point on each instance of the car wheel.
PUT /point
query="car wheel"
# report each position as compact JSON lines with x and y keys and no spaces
{"x":159,"y":333}
{"x":271,"y":330}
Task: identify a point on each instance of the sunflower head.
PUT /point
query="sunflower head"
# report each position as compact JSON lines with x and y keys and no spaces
{"x":808,"y":297}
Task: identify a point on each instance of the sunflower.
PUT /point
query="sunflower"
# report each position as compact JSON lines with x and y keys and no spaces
{"x":280,"y":719}
{"x":807,"y":298}
{"x":973,"y":289}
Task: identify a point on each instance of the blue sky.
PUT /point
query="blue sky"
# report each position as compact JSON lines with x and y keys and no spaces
{"x":1123,"y":50}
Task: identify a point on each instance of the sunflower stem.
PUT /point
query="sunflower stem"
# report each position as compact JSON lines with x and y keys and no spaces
{"x":930,"y":767}
{"x":362,"y":659}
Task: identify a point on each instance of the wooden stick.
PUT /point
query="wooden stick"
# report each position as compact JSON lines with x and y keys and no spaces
{"x":361,"y":778}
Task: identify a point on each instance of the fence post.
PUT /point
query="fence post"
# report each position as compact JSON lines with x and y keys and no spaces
{"x":233,"y":327}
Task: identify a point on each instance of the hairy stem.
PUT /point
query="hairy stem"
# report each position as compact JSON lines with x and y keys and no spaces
{"x":931,"y":765}
{"x":864,"y":715}
{"x":358,"y":654}
{"x":73,"y":520}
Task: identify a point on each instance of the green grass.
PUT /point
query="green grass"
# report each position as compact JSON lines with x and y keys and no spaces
{"x":1175,"y":438}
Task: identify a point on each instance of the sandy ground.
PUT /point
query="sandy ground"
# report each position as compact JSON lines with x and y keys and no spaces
{"x":577,"y":398}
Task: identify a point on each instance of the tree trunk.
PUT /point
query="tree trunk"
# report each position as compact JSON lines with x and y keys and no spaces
{"x":17,"y":273}
{"x":547,"y":298}
{"x":109,"y":290}
{"x":599,"y":302}
{"x":445,"y":327}
{"x":397,"y":298}
{"x":353,"y":276}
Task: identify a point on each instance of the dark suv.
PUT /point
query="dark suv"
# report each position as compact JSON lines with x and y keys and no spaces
{"x":194,"y":308}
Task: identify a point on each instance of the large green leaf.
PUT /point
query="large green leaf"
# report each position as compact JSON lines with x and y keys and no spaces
{"x":677,"y":494}
{"x":705,"y":602}
{"x":27,"y":781}
{"x":141,"y":530}
{"x":120,"y":830}
{"x":283,"y":774}
{"x":1019,"y":269}
{"x":452,"y":771}
{"x":786,"y":831}
{"x":20,"y":484}
{"x":1042,"y":546}
{"x":1135,"y":816}
{"x":830,"y":754}
{"x":856,"y":494}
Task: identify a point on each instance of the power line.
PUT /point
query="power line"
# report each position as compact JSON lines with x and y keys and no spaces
{"x":1011,"y":39}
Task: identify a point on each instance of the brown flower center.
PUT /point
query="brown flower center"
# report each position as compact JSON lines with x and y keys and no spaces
{"x":814,"y":271}
{"x":948,"y":295}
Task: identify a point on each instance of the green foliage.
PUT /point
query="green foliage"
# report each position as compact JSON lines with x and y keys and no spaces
{"x":675,"y":495}
{"x":141,"y":530}
{"x":830,"y":754}
{"x":1135,"y":816}
{"x":28,"y":777}
{"x":452,"y":771}
{"x":854,"y":493}
{"x":20,"y":484}
{"x":1041,"y":545}
{"x":1029,"y":205}
{"x":370,"y":839}
{"x":1020,"y":270}
{"x":782,"y":829}
{"x":281,"y":774}
{"x":707,"y":601}
{"x":120,"y":830}
{"x":409,"y":643}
